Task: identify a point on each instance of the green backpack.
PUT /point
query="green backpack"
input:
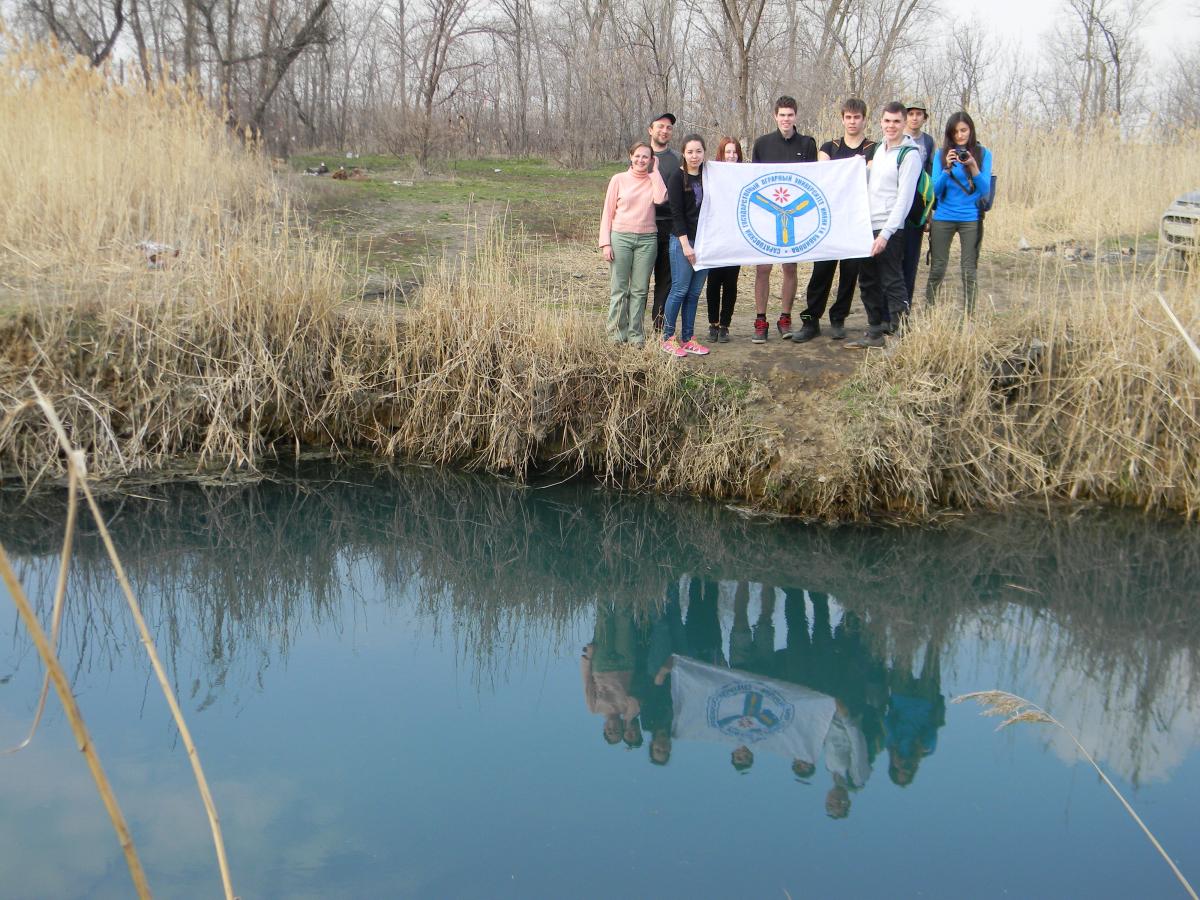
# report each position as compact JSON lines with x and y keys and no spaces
{"x":922,"y":205}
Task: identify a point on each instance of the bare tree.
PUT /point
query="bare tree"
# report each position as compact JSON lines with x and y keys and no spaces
{"x":89,"y":31}
{"x":743,"y":19}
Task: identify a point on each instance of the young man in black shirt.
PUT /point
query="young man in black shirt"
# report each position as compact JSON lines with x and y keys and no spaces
{"x":781,"y":146}
{"x":660,"y":130}
{"x":852,"y":143}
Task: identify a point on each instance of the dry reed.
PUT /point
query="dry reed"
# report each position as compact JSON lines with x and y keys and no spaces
{"x":1016,"y":709}
{"x":1091,"y":396}
{"x":62,"y":687}
{"x":77,"y":476}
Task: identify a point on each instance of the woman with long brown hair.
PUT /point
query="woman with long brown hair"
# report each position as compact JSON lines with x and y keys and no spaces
{"x":722,"y":281}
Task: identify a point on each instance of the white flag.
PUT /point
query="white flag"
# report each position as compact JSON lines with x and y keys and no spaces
{"x":783,"y":212}
{"x":713,"y":703}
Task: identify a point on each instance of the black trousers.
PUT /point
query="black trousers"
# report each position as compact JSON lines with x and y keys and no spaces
{"x":662,"y":275}
{"x":820,"y":284}
{"x":912,"y":256}
{"x":881,"y":279}
{"x":722,"y":294}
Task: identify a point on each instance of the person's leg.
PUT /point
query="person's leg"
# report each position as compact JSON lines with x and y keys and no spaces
{"x":620,"y":272}
{"x":816,"y":295}
{"x":713,"y":291}
{"x":968,"y":243}
{"x":762,"y":290}
{"x":871,"y":288}
{"x":788,"y":293}
{"x":728,"y":294}
{"x":848,"y":270}
{"x":940,"y":235}
{"x":645,"y":251}
{"x":912,"y":257}
{"x":890,"y":267}
{"x":662,"y":275}
{"x":681,"y":279}
{"x":716,"y":280}
{"x":690,"y":302}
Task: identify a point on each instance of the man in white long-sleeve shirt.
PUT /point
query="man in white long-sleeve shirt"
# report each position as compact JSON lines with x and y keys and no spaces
{"x":891,"y":181}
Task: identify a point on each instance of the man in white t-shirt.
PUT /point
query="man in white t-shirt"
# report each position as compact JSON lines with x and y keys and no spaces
{"x":891,"y":181}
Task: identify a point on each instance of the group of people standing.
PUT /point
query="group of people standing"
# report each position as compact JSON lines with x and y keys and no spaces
{"x":652,"y":210}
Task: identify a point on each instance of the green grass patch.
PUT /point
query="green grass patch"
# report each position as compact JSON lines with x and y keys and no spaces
{"x":703,"y":387}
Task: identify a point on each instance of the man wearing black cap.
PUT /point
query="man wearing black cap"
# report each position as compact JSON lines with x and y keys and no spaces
{"x":661,"y":127}
{"x":916,"y":115}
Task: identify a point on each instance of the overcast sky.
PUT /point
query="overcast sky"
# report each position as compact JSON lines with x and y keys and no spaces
{"x":1174,"y":23}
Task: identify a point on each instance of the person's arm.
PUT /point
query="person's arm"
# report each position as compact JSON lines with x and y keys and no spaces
{"x":658,"y":187}
{"x":606,"y":217}
{"x":675,"y":198}
{"x":589,"y":684}
{"x":755,"y":152}
{"x":906,"y":188}
{"x":983,"y":171}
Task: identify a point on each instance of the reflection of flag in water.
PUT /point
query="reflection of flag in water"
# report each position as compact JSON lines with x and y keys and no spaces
{"x":752,"y":711}
{"x":713,"y":703}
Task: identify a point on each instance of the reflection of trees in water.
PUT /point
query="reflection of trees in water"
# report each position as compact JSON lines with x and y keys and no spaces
{"x":508,"y":567}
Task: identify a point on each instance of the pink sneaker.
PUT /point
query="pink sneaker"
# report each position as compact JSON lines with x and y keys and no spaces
{"x":671,"y":347}
{"x":694,"y":347}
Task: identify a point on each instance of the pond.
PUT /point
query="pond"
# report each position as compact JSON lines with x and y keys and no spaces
{"x":405,"y":682}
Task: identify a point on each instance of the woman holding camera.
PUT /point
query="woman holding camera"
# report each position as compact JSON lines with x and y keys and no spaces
{"x":962,"y":177}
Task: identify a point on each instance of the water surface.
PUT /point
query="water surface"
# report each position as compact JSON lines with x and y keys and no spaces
{"x":384,"y":671}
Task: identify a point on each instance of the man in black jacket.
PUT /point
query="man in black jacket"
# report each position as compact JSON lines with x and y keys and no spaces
{"x":781,"y":146}
{"x":660,"y":130}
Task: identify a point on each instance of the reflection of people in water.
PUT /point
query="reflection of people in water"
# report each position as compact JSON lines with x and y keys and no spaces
{"x":752,"y":649}
{"x":699,"y":637}
{"x":916,"y":710}
{"x":742,"y":758}
{"x":607,"y":667}
{"x":836,"y":661}
{"x":665,"y":636}
{"x":703,"y":626}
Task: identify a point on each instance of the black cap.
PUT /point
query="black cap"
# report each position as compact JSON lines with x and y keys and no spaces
{"x":668,"y":116}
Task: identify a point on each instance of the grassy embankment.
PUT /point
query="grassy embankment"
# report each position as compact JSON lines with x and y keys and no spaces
{"x":253,"y":338}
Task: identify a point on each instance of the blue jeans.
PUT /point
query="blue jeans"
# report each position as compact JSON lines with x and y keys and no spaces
{"x":686,"y":284}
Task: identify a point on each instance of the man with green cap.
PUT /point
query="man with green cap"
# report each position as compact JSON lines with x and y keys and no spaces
{"x":916,"y":115}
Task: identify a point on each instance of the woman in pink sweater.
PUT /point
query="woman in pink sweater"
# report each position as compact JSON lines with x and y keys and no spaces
{"x":629,"y":242}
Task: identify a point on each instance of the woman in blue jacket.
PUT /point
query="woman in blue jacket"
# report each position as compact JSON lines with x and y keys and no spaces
{"x":962,"y":176}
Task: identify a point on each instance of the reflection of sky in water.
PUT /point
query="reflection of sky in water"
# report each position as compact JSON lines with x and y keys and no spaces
{"x":379,"y":756}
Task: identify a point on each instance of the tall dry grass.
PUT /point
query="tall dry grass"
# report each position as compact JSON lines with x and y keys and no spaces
{"x":1087,"y":393}
{"x":253,"y":338}
{"x":1091,"y":187}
